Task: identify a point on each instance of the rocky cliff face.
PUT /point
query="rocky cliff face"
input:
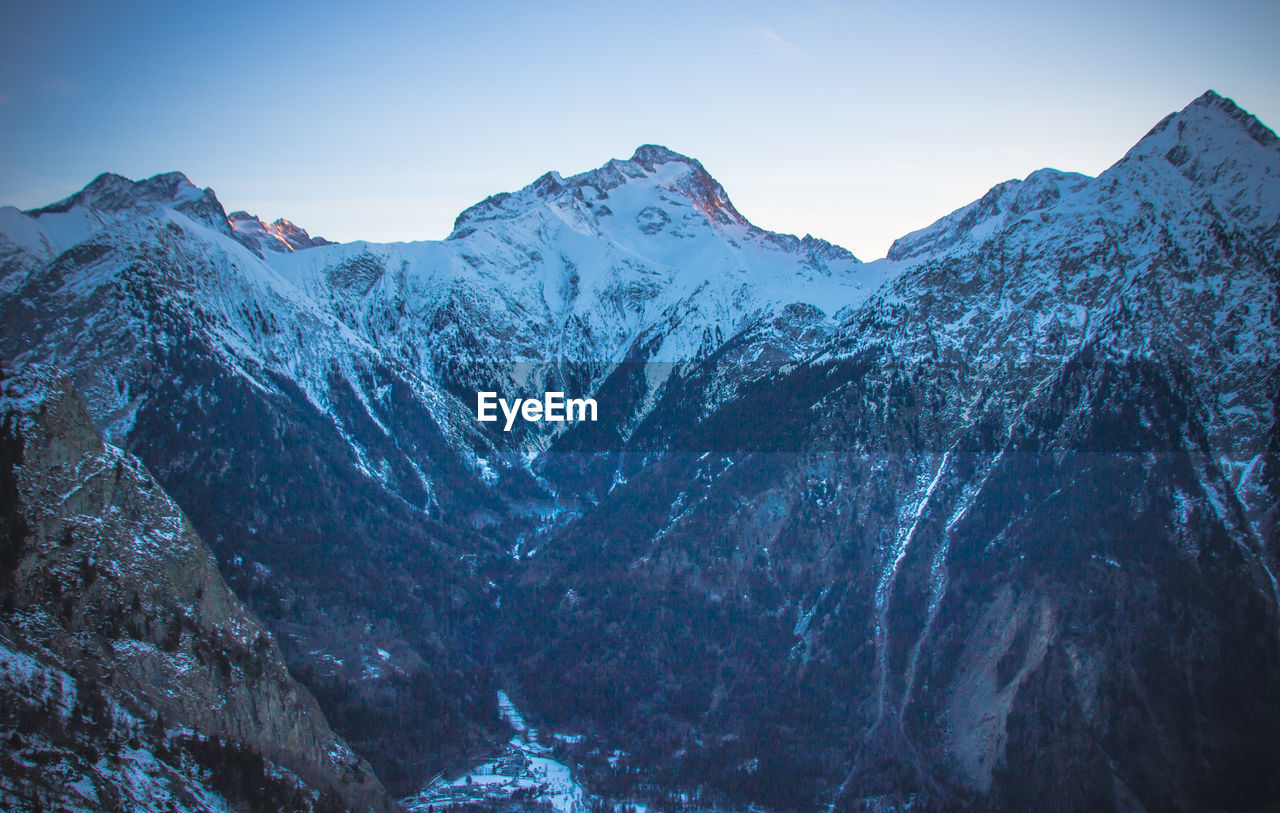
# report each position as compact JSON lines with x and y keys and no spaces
{"x":992,"y":516}
{"x":132,"y":677}
{"x":279,"y":236}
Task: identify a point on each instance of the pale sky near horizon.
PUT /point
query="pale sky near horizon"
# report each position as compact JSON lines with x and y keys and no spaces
{"x":856,"y":122}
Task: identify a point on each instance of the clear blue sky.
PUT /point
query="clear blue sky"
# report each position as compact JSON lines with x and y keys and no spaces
{"x":856,"y":122}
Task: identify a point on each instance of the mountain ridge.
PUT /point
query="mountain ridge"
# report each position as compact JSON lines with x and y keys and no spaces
{"x":112,"y":191}
{"x":802,"y":463}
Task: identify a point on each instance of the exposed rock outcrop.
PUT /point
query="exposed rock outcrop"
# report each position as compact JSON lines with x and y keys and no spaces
{"x":116,"y":619}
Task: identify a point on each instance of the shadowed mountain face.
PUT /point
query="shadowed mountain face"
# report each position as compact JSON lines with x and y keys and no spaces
{"x":990,"y":519}
{"x":131,"y":677}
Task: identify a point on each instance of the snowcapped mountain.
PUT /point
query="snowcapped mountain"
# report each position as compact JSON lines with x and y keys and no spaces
{"x":1066,"y":400}
{"x":1163,"y":253}
{"x":279,"y":394}
{"x":577,"y":269}
{"x":279,"y":236}
{"x":887,"y":515}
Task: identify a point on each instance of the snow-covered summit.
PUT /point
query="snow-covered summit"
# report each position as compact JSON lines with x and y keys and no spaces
{"x":1148,"y":255}
{"x":111,"y":193}
{"x":583,"y":266}
{"x":280,"y":236}
{"x":1220,"y":152}
{"x":1224,"y":153}
{"x":112,"y":199}
{"x":651,"y":166}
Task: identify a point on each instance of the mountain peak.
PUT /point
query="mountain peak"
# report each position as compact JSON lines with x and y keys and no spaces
{"x":1259,"y":132}
{"x":645,"y":166}
{"x":280,"y":236}
{"x":1212,"y":99}
{"x":1217,"y":146}
{"x":651,"y":155}
{"x":1223,"y":151}
{"x":1213,"y":110}
{"x":110,"y":192}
